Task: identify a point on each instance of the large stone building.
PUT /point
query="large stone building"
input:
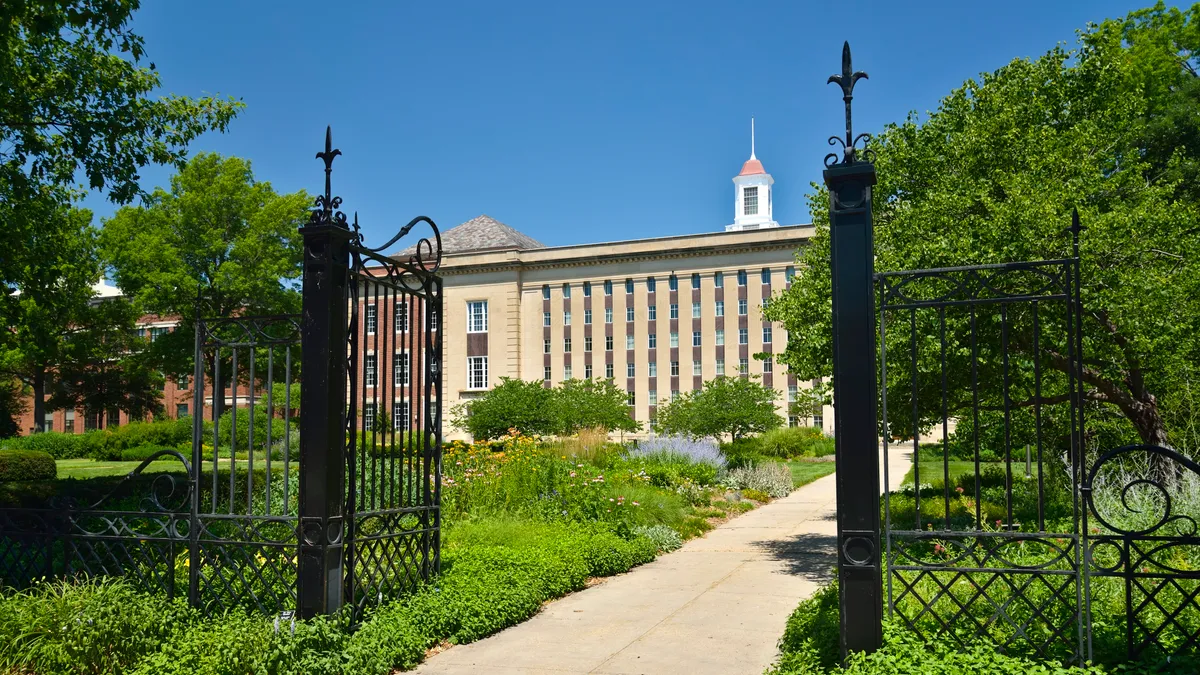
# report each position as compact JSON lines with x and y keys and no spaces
{"x":659,"y":315}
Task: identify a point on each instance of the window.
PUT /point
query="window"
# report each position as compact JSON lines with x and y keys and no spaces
{"x":91,"y":421}
{"x":696,"y":368}
{"x":587,"y":371}
{"x":673,"y":283}
{"x":566,"y":290}
{"x":695,"y":338}
{"x":112,"y":418}
{"x":181,"y":410}
{"x":792,"y":393}
{"x":587,"y":343}
{"x":566,"y":344}
{"x":720,"y":367}
{"x":630,"y":370}
{"x":652,"y":313}
{"x":719,"y":279}
{"x":695,"y":310}
{"x":608,"y":343}
{"x":156,"y":333}
{"x":650,"y":285}
{"x":371,"y":322}
{"x":789,"y":273}
{"x":567,"y":372}
{"x":545,"y":318}
{"x":674,"y":394}
{"x":653,"y":369}
{"x":695,"y":280}
{"x":629,"y":314}
{"x":674,"y":310}
{"x":546,"y":291}
{"x":653,"y":341}
{"x":69,"y":422}
{"x":630,"y":399}
{"x":720,"y":310}
{"x":608,"y":315}
{"x":400,"y":369}
{"x":793,"y":421}
{"x":743,"y":336}
{"x":587,"y":289}
{"x":587,"y":317}
{"x":608,"y":370}
{"x":819,"y":421}
{"x":629,"y":285}
{"x":750,"y":200}
{"x":48,"y":422}
{"x":400,"y":416}
{"x":546,"y":346}
{"x":566,"y":318}
{"x":766,"y":334}
{"x":743,"y":366}
{"x":742,"y":307}
{"x":720,"y":337}
{"x":401,"y":318}
{"x":477,"y":377}
{"x":628,"y":342}
{"x":546,"y":373}
{"x":675,"y":368}
{"x":653,"y":397}
{"x":433,"y":319}
{"x":766,"y":303}
{"x":741,"y":277}
{"x":768,"y":364}
{"x":182,"y":382}
{"x":477,"y":316}
{"x":607,"y":287}
{"x":674,"y":339}
{"x":369,"y":370}
{"x":368,"y":416}
{"x":766,"y":276}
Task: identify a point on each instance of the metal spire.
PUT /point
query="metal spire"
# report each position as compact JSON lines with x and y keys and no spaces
{"x":752,"y":137}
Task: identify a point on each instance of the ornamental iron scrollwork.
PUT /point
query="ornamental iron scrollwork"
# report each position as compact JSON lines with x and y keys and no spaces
{"x":846,"y":80}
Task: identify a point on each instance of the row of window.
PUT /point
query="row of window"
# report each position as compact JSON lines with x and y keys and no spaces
{"x":400,"y":416}
{"x":400,"y":320}
{"x":672,"y":282}
{"x":651,"y":312}
{"x":91,"y":421}
{"x":400,"y":369}
{"x":652,"y":340}
{"x":652,"y":369}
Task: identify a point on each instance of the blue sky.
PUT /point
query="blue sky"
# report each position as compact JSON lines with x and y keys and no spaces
{"x":573,"y":122}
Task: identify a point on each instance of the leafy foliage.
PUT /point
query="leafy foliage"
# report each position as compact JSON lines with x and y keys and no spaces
{"x":789,"y":442}
{"x":736,"y":406}
{"x":26,"y":465}
{"x":590,"y":404}
{"x":572,"y":407}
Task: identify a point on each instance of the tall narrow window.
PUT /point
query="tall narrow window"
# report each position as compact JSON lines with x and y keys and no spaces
{"x":695,"y":310}
{"x":650,"y":284}
{"x":371,"y":322}
{"x":401,"y":319}
{"x":587,"y":289}
{"x":674,"y":339}
{"x":369,"y":370}
{"x":766,"y":276}
{"x":766,"y":334}
{"x":608,"y":315}
{"x":742,"y":307}
{"x":477,"y":316}
{"x":629,"y":314}
{"x":631,"y":398}
{"x":653,"y":397}
{"x":607,"y":287}
{"x":400,"y":369}
{"x":741,"y":277}
{"x":545,"y":291}
{"x":695,"y":338}
{"x":673,"y":283}
{"x":546,"y":346}
{"x":587,"y":343}
{"x":792,"y":391}
{"x":368,"y":416}
{"x":720,"y":308}
{"x":400,"y":416}
{"x":587,"y":316}
{"x":695,"y":280}
{"x":653,"y":341}
{"x":545,"y":318}
{"x":587,"y":371}
{"x":630,"y":370}
{"x":566,"y":344}
{"x":628,"y":342}
{"x":696,"y":368}
{"x":653,"y":369}
{"x":608,"y":343}
{"x":567,"y":372}
{"x":608,"y":370}
{"x":566,"y":318}
{"x":675,"y":368}
{"x":652,"y":313}
{"x":477,"y":376}
{"x":720,"y":367}
{"x":720,"y":337}
{"x":750,"y":200}
{"x":768,"y":364}
{"x":743,"y":366}
{"x":546,"y":373}
{"x":629,"y":285}
{"x":743,"y":336}
{"x":566,"y":290}
{"x":789,"y":273}
{"x":674,"y":310}
{"x":719,"y":279}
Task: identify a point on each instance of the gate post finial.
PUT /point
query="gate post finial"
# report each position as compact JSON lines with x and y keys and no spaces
{"x":860,"y":556}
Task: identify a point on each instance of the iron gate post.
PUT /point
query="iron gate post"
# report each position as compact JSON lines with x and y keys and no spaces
{"x":854,"y":388}
{"x":323,"y":354}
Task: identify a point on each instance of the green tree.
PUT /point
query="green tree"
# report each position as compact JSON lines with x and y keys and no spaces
{"x":75,"y":101}
{"x":512,"y":404}
{"x":590,"y":404}
{"x":12,"y":405}
{"x":105,"y":368}
{"x":736,"y":406}
{"x":992,"y":176}
{"x":219,"y":243}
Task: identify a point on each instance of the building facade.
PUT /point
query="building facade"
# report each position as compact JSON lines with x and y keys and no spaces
{"x":659,"y":316}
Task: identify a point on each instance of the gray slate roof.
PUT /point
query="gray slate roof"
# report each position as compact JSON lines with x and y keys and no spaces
{"x":483,"y":233}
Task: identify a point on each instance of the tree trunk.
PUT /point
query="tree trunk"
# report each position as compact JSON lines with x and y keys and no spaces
{"x":39,"y":399}
{"x":1146,"y":418}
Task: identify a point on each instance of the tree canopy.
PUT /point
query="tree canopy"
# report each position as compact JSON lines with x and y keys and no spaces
{"x":736,"y":406}
{"x":535,"y":409}
{"x":993,"y":175}
{"x":218,"y":243}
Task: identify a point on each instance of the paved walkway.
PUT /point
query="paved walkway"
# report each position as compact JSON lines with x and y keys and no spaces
{"x":717,"y":605}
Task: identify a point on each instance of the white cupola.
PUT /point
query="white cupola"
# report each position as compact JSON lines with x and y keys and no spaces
{"x":752,"y":207}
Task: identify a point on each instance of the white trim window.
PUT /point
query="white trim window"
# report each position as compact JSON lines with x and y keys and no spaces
{"x":400,"y":369}
{"x":369,"y":370}
{"x":368,"y":416}
{"x":371,"y":319}
{"x":566,"y":318}
{"x":567,"y":372}
{"x":477,"y":375}
{"x":750,"y":200}
{"x":400,"y":416}
{"x":401,"y":317}
{"x":720,"y":337}
{"x":477,"y":316}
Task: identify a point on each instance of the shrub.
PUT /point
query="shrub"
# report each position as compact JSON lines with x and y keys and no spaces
{"x":225,"y":428}
{"x":811,"y":640}
{"x":756,"y":495}
{"x":788,"y":442}
{"x":773,"y":478}
{"x":694,"y":450}
{"x":53,"y":443}
{"x":742,"y":452}
{"x":26,"y":465}
{"x":143,"y":452}
{"x":387,"y":641}
{"x":665,"y":538}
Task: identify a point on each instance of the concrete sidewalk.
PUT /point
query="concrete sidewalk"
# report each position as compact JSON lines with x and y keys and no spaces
{"x":717,"y":605}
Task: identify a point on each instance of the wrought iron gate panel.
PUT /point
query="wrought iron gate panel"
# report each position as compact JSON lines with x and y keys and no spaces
{"x":393,"y":453}
{"x":976,"y":548}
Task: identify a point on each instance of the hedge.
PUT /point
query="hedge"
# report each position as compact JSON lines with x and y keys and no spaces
{"x":16,"y":465}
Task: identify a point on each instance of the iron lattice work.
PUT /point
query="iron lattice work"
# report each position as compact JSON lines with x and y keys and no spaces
{"x":1139,"y":545}
{"x":980,"y":373}
{"x":393,"y":452}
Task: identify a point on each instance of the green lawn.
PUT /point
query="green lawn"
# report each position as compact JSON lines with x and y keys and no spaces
{"x":804,"y":473}
{"x":90,"y":468}
{"x":933,"y":470}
